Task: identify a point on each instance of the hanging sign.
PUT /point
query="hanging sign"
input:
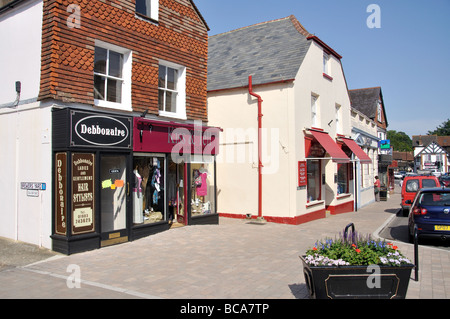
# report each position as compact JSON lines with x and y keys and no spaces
{"x":99,"y":130}
{"x":83,"y":193}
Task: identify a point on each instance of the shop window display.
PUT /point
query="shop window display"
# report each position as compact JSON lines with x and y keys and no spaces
{"x":342,"y":178}
{"x":202,"y":189}
{"x":313,"y":171}
{"x":148,"y":189}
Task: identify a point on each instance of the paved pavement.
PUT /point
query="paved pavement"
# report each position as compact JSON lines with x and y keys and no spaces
{"x":233,"y":260}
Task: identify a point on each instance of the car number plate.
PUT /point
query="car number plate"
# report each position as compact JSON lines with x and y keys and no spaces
{"x":442,"y":228}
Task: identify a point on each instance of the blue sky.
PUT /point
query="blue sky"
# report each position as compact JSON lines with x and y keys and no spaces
{"x":409,"y":56}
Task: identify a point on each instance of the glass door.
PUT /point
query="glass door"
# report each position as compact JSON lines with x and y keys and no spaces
{"x":113,"y":202}
{"x":175,"y":193}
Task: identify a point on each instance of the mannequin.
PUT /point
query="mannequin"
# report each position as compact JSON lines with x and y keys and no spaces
{"x":138,"y":199}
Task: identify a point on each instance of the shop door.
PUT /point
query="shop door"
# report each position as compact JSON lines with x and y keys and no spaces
{"x":181,"y":203}
{"x":114,"y":199}
{"x":176,"y":194}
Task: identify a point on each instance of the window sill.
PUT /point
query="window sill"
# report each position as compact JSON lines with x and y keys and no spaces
{"x":326,"y":76}
{"x":112,"y":105}
{"x":315,"y":203}
{"x":146,"y":18}
{"x":340,"y":196}
{"x":173,"y":115}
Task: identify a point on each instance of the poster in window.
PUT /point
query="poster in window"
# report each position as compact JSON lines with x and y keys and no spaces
{"x":302,"y":174}
{"x":83,"y":173}
{"x":61,"y":194}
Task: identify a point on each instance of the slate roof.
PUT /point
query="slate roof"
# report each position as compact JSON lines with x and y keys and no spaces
{"x":271,"y":51}
{"x":366,"y":100}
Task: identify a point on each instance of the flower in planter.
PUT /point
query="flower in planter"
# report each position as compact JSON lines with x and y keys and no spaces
{"x":354,"y":249}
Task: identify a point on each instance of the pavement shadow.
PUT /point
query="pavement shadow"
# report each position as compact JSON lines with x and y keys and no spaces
{"x":392,"y":210}
{"x":300,"y":291}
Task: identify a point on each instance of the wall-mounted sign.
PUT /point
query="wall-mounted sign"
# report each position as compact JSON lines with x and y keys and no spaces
{"x":302,"y":174}
{"x":61,"y":193}
{"x":32,"y":193}
{"x":34,"y":186}
{"x":98,"y":130}
{"x":83,"y":191}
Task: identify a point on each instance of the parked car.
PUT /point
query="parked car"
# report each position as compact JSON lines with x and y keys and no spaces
{"x":445,"y":180}
{"x":430,"y":211}
{"x":411,"y":185}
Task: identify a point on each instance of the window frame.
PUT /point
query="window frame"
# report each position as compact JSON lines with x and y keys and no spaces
{"x":125,"y":103}
{"x":338,"y":118}
{"x":151,"y":13}
{"x":180,"y":90}
{"x":314,"y":110}
{"x":326,"y":63}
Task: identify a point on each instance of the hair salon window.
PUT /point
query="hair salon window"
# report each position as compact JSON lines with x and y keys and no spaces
{"x":202,"y":187}
{"x":314,"y":183}
{"x":172,"y":90}
{"x":148,"y":189}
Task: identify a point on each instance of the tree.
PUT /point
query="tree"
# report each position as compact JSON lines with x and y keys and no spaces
{"x":442,"y":130}
{"x":400,"y":141}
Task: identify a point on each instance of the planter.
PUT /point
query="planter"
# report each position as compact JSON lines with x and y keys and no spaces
{"x":353,"y":282}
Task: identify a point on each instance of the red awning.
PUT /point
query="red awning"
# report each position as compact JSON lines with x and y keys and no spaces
{"x":363,"y":158}
{"x":336,"y":154}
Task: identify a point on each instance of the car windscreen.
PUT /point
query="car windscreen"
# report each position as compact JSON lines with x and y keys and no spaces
{"x":435,"y":199}
{"x":412,"y":185}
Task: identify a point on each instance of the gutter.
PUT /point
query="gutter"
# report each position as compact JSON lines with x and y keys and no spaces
{"x":10,"y":5}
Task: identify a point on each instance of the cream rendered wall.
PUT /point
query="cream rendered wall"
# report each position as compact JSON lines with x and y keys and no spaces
{"x":237,"y":170}
{"x":287,"y":110}
{"x":310,"y":80}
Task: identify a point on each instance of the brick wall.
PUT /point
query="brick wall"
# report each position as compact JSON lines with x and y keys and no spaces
{"x":180,"y":36}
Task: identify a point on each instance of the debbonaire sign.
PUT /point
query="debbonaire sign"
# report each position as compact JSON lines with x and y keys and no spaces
{"x":100,"y":130}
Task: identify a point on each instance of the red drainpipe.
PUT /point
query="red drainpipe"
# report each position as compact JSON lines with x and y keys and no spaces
{"x":260,"y":165}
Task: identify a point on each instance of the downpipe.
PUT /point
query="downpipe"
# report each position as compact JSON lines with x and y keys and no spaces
{"x":260,"y":165}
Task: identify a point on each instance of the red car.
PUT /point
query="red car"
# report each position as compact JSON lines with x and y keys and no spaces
{"x":411,"y":185}
{"x":445,"y":180}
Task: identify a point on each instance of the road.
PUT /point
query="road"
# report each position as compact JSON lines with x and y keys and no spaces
{"x":397,"y":229}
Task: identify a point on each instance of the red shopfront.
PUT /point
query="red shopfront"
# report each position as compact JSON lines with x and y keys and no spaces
{"x":174,"y":175}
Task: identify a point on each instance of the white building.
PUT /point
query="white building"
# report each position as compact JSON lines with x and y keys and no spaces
{"x":306,"y":127}
{"x":364,"y":132}
{"x":430,"y":153}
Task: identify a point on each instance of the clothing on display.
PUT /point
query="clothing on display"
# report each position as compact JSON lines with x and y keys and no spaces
{"x":149,"y":201}
{"x":138,"y":198}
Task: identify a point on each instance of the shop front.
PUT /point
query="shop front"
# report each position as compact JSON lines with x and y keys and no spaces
{"x":328,"y":175}
{"x":119,"y":178}
{"x":174,"y":175}
{"x":92,"y":157}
